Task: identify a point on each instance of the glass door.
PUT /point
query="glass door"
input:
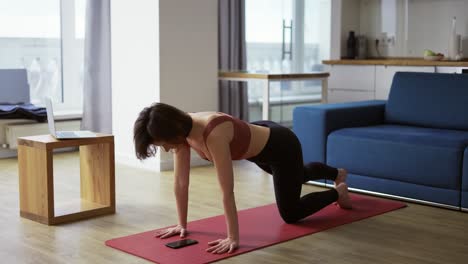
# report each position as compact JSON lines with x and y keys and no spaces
{"x":268,"y":34}
{"x":45,"y":39}
{"x":286,"y":36}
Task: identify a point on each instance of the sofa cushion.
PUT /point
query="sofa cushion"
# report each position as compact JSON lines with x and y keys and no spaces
{"x":437,"y":100}
{"x":424,"y":156}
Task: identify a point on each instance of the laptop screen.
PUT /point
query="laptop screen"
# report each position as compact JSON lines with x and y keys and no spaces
{"x":50,"y":115}
{"x":14,"y":88}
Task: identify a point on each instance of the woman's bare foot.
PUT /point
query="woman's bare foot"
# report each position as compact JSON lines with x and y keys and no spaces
{"x":343,"y":197}
{"x":341,"y":177}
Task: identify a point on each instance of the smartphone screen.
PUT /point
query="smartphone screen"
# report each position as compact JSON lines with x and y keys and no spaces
{"x":181,"y":243}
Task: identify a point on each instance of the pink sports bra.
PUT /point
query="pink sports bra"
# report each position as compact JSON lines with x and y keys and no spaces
{"x":241,"y":139}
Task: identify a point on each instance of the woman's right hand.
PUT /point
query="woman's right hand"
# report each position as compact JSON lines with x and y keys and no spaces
{"x":171,"y":231}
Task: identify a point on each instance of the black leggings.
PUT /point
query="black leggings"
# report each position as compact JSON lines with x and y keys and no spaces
{"x":282,"y":157}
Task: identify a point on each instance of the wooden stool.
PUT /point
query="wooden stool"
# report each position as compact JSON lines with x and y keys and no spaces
{"x":36,"y":181}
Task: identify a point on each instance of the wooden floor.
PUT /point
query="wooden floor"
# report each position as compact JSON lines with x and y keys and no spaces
{"x":416,"y":234}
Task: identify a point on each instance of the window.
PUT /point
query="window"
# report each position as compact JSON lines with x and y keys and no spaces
{"x":47,"y":39}
{"x":286,"y":36}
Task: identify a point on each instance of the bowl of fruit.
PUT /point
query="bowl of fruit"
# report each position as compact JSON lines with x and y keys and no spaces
{"x":433,"y":56}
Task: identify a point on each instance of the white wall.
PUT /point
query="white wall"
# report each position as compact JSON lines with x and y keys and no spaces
{"x":135,"y":70}
{"x":335,"y":30}
{"x":162,"y":51}
{"x":371,"y":26}
{"x":189,"y":54}
{"x":349,"y":21}
{"x":188,"y":58}
{"x":429,"y":25}
{"x":419,"y":24}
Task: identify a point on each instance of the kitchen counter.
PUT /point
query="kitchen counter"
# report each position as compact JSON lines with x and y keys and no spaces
{"x":397,"y":62}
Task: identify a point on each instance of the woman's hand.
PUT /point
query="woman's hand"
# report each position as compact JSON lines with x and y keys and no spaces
{"x":220,"y":246}
{"x":171,"y":231}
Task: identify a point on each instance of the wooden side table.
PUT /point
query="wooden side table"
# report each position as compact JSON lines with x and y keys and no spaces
{"x":36,"y":180}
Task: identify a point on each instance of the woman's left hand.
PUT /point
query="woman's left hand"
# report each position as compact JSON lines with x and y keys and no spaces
{"x":221,"y":246}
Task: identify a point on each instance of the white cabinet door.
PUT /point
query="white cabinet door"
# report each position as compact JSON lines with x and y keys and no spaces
{"x":440,"y":69}
{"x":352,"y":77}
{"x":384,"y":77}
{"x":349,"y":83}
{"x":341,"y":96}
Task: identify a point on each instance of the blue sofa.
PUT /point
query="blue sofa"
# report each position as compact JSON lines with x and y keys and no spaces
{"x":414,"y":145}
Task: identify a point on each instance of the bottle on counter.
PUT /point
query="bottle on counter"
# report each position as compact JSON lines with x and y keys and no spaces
{"x":351,"y":46}
{"x":361,"y":47}
{"x":454,"y":44}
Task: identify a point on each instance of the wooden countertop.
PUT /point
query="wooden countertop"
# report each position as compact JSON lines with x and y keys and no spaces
{"x":398,"y":62}
{"x":272,"y":75}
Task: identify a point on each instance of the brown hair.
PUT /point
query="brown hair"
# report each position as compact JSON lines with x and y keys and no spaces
{"x":162,"y":123}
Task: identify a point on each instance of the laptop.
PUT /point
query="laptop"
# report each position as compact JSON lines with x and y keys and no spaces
{"x":63,"y":134}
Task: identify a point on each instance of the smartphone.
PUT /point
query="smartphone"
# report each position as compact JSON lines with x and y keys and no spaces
{"x":181,"y":243}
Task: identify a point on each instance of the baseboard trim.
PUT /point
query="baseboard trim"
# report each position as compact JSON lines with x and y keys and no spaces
{"x":154,"y":165}
{"x":464,"y":210}
{"x":150,"y":164}
{"x":395,"y":197}
{"x":8,"y":153}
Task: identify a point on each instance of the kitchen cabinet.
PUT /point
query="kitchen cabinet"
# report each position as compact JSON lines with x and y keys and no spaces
{"x":442,"y":69}
{"x":359,"y":80}
{"x":384,"y":77}
{"x":349,"y":83}
{"x":352,"y":77}
{"x":341,"y":96}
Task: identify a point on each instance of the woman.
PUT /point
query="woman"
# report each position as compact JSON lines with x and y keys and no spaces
{"x":220,"y":138}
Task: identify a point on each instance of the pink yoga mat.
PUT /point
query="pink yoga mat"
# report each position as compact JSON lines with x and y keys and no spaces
{"x":259,"y":227}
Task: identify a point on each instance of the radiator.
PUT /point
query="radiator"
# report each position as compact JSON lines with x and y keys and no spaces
{"x":13,"y":131}
{"x":3,"y":124}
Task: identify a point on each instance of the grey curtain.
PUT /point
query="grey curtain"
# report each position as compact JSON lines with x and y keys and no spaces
{"x":97,"y":93}
{"x":233,"y":97}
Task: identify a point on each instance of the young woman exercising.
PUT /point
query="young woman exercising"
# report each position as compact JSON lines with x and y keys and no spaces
{"x":221,"y":138}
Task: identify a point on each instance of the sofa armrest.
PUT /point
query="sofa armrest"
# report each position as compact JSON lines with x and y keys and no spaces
{"x":312,"y":124}
{"x":464,"y":183}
